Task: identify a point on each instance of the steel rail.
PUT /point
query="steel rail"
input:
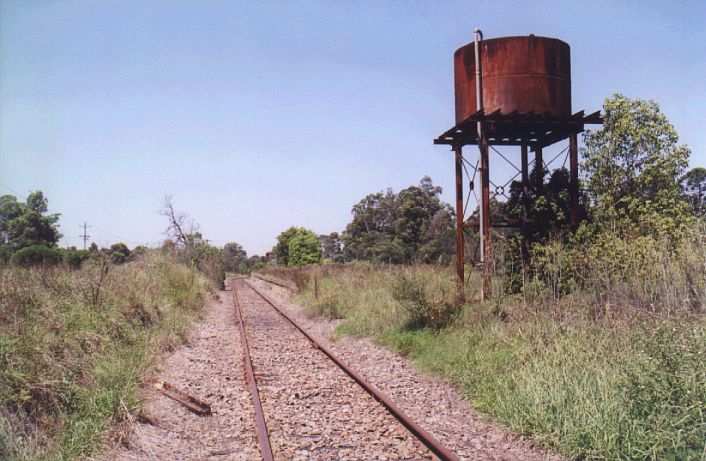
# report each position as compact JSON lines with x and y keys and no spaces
{"x":274,"y":282}
{"x":262,"y":433}
{"x":443,"y":453}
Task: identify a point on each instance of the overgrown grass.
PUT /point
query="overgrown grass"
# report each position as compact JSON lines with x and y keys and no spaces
{"x":75,"y":346}
{"x":627,"y":385}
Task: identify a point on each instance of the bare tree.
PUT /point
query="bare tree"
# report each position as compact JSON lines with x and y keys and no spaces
{"x":178,"y":222}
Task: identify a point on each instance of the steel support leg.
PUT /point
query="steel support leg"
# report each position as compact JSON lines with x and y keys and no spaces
{"x":574,"y":181}
{"x":539,"y":167}
{"x":460,"y":270}
{"x":486,"y":286}
{"x":525,"y":204}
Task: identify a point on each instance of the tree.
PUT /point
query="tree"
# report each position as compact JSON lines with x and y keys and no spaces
{"x":304,"y":249}
{"x":331,"y":247}
{"x":179,"y":227}
{"x":632,"y":168}
{"x":37,"y":255}
{"x":693,"y":186}
{"x":27,"y":224}
{"x":392,"y":228}
{"x":439,"y":239}
{"x":416,"y":207}
{"x":235,"y":258}
{"x":255,"y":262}
{"x":282,"y":247}
{"x":549,"y":212}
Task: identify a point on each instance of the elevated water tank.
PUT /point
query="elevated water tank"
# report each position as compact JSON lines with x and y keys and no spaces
{"x":523,"y":74}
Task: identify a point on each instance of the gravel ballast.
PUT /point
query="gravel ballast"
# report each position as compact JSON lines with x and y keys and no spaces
{"x":312,"y":408}
{"x":431,"y":402}
{"x":211,"y":369}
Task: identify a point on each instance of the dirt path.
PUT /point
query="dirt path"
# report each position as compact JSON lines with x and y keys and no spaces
{"x":211,"y":368}
{"x":431,"y":402}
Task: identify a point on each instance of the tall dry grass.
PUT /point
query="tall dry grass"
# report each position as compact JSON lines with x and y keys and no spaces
{"x":76,"y":344}
{"x":601,"y":353}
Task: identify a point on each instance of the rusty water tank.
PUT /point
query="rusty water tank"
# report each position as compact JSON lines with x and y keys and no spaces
{"x":523,"y":74}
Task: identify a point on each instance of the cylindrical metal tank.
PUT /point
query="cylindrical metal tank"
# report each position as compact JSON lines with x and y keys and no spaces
{"x":523,"y":74}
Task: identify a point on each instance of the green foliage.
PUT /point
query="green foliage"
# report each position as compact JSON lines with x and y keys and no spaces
{"x":326,"y":306}
{"x":36,"y":255}
{"x":617,"y":276}
{"x":70,"y":368}
{"x":139,"y":251}
{"x":428,"y":299}
{"x":119,"y":253}
{"x":304,"y":249}
{"x":693,"y":185}
{"x":401,"y":228}
{"x":74,"y":258}
{"x":26,"y":224}
{"x":613,"y":387}
{"x":235,"y":258}
{"x":205,"y":257}
{"x":332,"y":248}
{"x":282,"y":247}
{"x":549,"y":211}
{"x":633,"y":165}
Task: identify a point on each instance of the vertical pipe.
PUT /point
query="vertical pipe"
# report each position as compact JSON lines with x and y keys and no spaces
{"x":574,"y":180}
{"x":485,"y":218}
{"x":525,"y":203}
{"x":460,"y":272}
{"x":477,"y":37}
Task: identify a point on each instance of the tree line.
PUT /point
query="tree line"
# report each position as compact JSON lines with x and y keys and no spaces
{"x":634,"y":183}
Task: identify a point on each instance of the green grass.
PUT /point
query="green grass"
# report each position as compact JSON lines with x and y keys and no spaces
{"x":591,"y":389}
{"x":75,"y":348}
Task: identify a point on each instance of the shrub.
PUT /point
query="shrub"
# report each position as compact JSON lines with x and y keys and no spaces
{"x":119,"y":253}
{"x":429,"y":299}
{"x":74,"y":258}
{"x":37,"y":255}
{"x":326,"y":306}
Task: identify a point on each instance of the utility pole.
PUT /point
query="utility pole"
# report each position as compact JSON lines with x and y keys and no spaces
{"x":85,"y":236}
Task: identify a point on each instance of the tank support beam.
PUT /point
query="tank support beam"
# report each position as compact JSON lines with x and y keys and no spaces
{"x":574,"y":181}
{"x":460,"y":270}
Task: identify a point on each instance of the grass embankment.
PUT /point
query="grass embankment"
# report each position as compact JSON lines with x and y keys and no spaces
{"x":610,"y":387}
{"x":75,"y":346}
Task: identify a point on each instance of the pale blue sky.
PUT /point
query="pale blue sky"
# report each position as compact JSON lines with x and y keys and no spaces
{"x":260,"y":115}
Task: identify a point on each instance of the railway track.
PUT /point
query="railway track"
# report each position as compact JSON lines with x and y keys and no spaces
{"x":311,"y":405}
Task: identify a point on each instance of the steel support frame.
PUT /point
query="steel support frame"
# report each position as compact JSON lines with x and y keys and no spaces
{"x":484,"y":207}
{"x":460,"y":269}
{"x":487,"y":260}
{"x":574,"y":181}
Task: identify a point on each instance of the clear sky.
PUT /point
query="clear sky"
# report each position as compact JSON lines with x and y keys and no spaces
{"x":257,"y":115}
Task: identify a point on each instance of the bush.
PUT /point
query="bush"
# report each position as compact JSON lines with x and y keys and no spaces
{"x":119,"y":253}
{"x":326,"y":306}
{"x":37,"y":255}
{"x":74,"y":258}
{"x":429,"y":299}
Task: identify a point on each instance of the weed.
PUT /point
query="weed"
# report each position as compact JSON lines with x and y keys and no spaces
{"x":75,"y":344}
